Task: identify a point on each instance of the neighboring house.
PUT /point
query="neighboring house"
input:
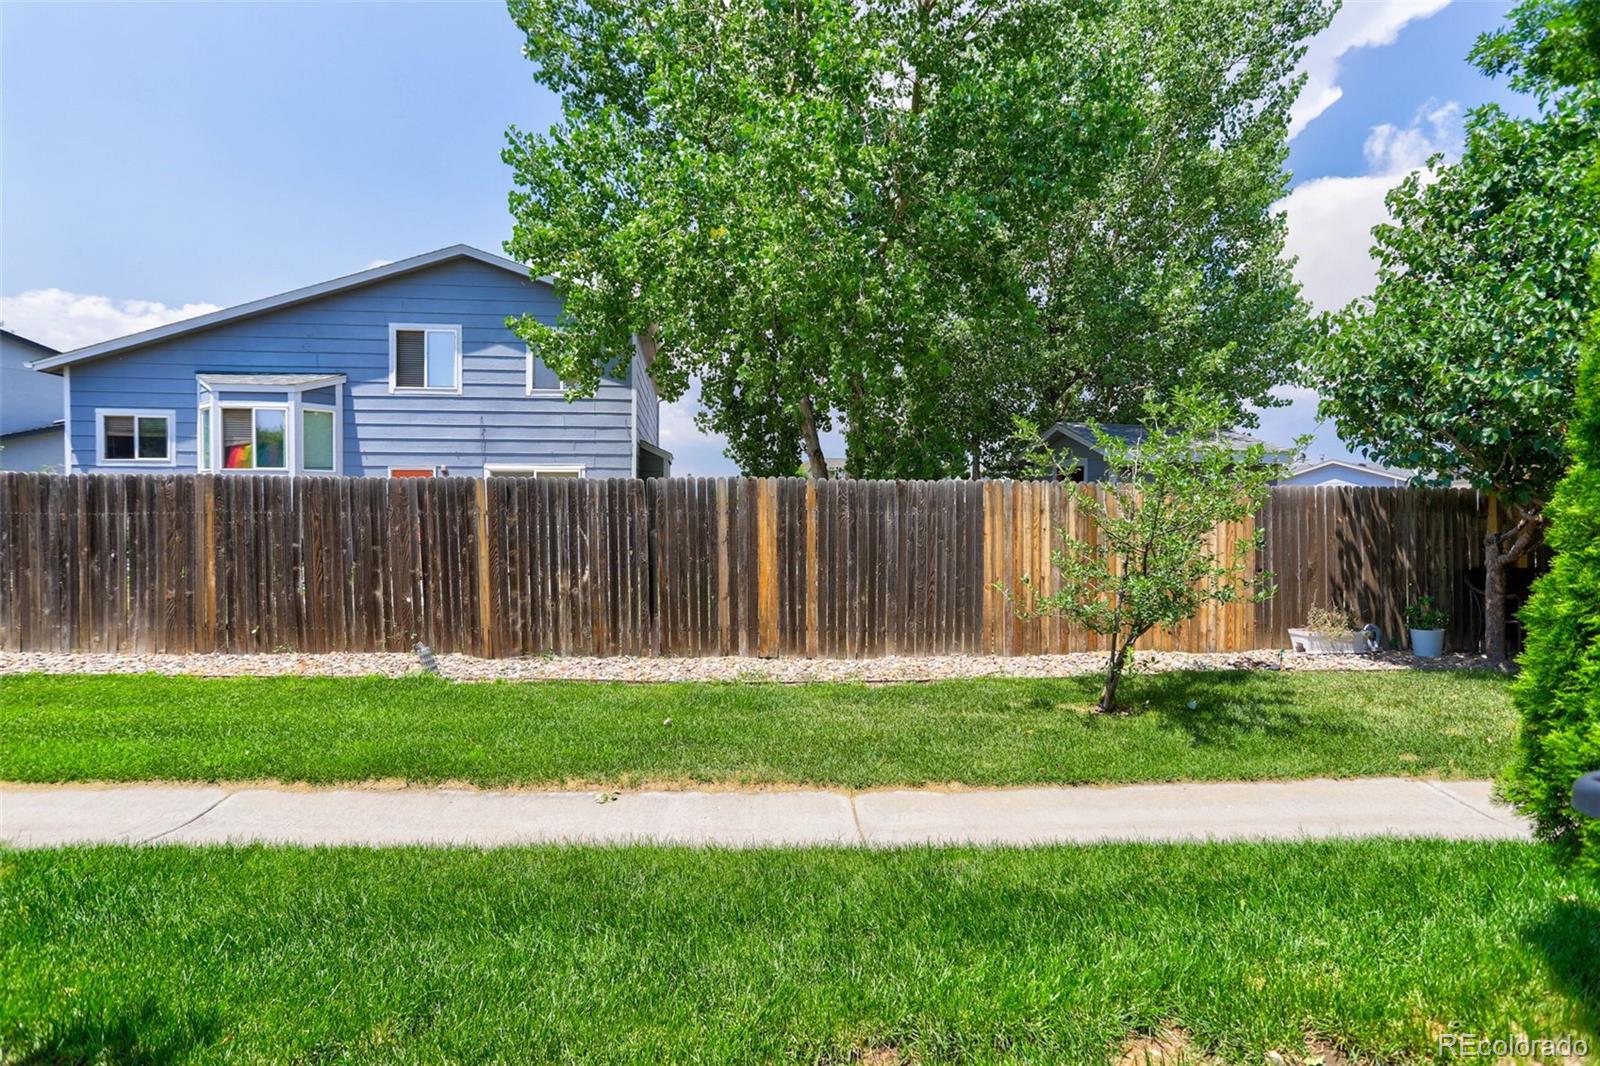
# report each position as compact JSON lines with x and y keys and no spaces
{"x":1347,"y":472}
{"x":1081,"y":459}
{"x":404,"y":370}
{"x":31,"y":414}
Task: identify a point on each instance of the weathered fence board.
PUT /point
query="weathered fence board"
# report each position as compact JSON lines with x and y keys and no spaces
{"x":687,"y":566}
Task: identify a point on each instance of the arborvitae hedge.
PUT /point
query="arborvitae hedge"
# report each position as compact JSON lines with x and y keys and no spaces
{"x":1558,"y":691}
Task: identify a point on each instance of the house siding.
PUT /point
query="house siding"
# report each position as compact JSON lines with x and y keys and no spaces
{"x":647,"y":401}
{"x":28,"y":398}
{"x":39,"y":451}
{"x":492,"y":420}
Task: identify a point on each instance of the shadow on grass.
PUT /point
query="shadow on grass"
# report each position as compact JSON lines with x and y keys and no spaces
{"x":1568,"y":935}
{"x":150,"y":1033}
{"x":1219,"y":708}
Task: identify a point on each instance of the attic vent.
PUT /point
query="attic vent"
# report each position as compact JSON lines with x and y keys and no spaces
{"x":410,"y":359}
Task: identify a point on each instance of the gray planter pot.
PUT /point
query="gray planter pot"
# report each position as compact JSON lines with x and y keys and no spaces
{"x":1311,"y":642}
{"x":1427,"y":643}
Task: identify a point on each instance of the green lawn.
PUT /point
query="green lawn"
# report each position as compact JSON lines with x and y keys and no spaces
{"x":1194,"y":726}
{"x":651,"y":955}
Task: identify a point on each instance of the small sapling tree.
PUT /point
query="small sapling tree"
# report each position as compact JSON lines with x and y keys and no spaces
{"x":1155,"y":560}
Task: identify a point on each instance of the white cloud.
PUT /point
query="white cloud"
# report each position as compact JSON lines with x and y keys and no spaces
{"x":700,"y":454}
{"x":68,"y":320}
{"x":1330,"y":223}
{"x":374,"y":264}
{"x":1330,"y":220}
{"x":1436,"y":128}
{"x":694,"y":451}
{"x":1357,"y":25}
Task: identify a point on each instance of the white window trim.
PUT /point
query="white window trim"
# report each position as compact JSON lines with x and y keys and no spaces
{"x":531,"y":469}
{"x":290,"y":436}
{"x":102,"y":413}
{"x":205,"y":430}
{"x":425,"y":390}
{"x":527,"y":384}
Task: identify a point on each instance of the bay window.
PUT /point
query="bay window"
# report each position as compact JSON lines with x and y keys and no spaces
{"x":270,"y":423}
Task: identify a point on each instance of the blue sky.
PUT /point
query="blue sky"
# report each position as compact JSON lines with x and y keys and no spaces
{"x":160,"y":159}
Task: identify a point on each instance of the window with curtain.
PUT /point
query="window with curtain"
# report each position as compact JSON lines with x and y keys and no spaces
{"x":132,"y":437}
{"x":254,"y":438}
{"x":426,"y":358}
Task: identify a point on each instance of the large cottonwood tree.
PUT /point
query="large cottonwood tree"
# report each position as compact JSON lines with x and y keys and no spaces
{"x":917,"y":218}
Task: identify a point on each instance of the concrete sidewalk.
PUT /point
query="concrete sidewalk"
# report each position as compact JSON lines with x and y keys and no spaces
{"x":33,"y":816}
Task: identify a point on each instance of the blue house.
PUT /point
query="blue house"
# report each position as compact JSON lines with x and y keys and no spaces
{"x":404,"y":370}
{"x":30,"y":407}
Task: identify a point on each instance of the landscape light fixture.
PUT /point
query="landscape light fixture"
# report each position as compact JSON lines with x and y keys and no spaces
{"x":1586,"y":794}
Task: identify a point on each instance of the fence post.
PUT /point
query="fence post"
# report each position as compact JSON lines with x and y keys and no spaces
{"x":767,"y":567}
{"x":206,"y":560}
{"x":486,"y":643}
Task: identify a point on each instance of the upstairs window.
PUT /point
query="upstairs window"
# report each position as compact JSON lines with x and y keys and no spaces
{"x":542,"y":379}
{"x":425,"y":357}
{"x":135,"y":436}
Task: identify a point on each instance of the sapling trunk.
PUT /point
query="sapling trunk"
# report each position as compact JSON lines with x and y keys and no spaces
{"x":1114,"y":666}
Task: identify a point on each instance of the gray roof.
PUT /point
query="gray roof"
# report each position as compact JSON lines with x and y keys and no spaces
{"x":285,"y":299}
{"x":20,"y":339}
{"x":279,"y":380}
{"x":1083,"y":433}
{"x":49,"y":427}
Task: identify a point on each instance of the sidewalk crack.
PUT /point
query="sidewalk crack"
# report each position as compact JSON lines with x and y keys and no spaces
{"x":190,"y":821}
{"x":1447,"y":794}
{"x":855,"y":816}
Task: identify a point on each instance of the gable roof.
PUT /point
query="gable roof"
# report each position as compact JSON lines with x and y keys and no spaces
{"x":1350,"y":464}
{"x":1083,"y":433}
{"x":285,"y":299}
{"x":20,"y":339}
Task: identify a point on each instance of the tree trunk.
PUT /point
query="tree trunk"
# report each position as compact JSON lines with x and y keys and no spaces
{"x":1114,"y":667}
{"x":1494,"y":599}
{"x":816,"y":463}
{"x":1500,"y":550}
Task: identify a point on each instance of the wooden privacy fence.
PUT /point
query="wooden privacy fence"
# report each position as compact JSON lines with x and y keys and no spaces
{"x":686,"y":566}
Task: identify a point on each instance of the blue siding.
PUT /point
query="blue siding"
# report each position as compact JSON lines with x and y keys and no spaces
{"x":28,"y":398}
{"x":38,"y":452}
{"x":646,"y":401}
{"x":492,"y":420}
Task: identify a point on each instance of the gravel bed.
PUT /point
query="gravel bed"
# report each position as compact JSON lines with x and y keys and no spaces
{"x":726,"y":668}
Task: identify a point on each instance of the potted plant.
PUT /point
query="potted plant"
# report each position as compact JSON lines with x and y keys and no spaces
{"x":1331,"y":631}
{"x":1426,"y":620}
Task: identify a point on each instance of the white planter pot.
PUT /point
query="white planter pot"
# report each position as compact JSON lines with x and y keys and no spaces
{"x":1353,"y":642}
{"x":1427,"y":643}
